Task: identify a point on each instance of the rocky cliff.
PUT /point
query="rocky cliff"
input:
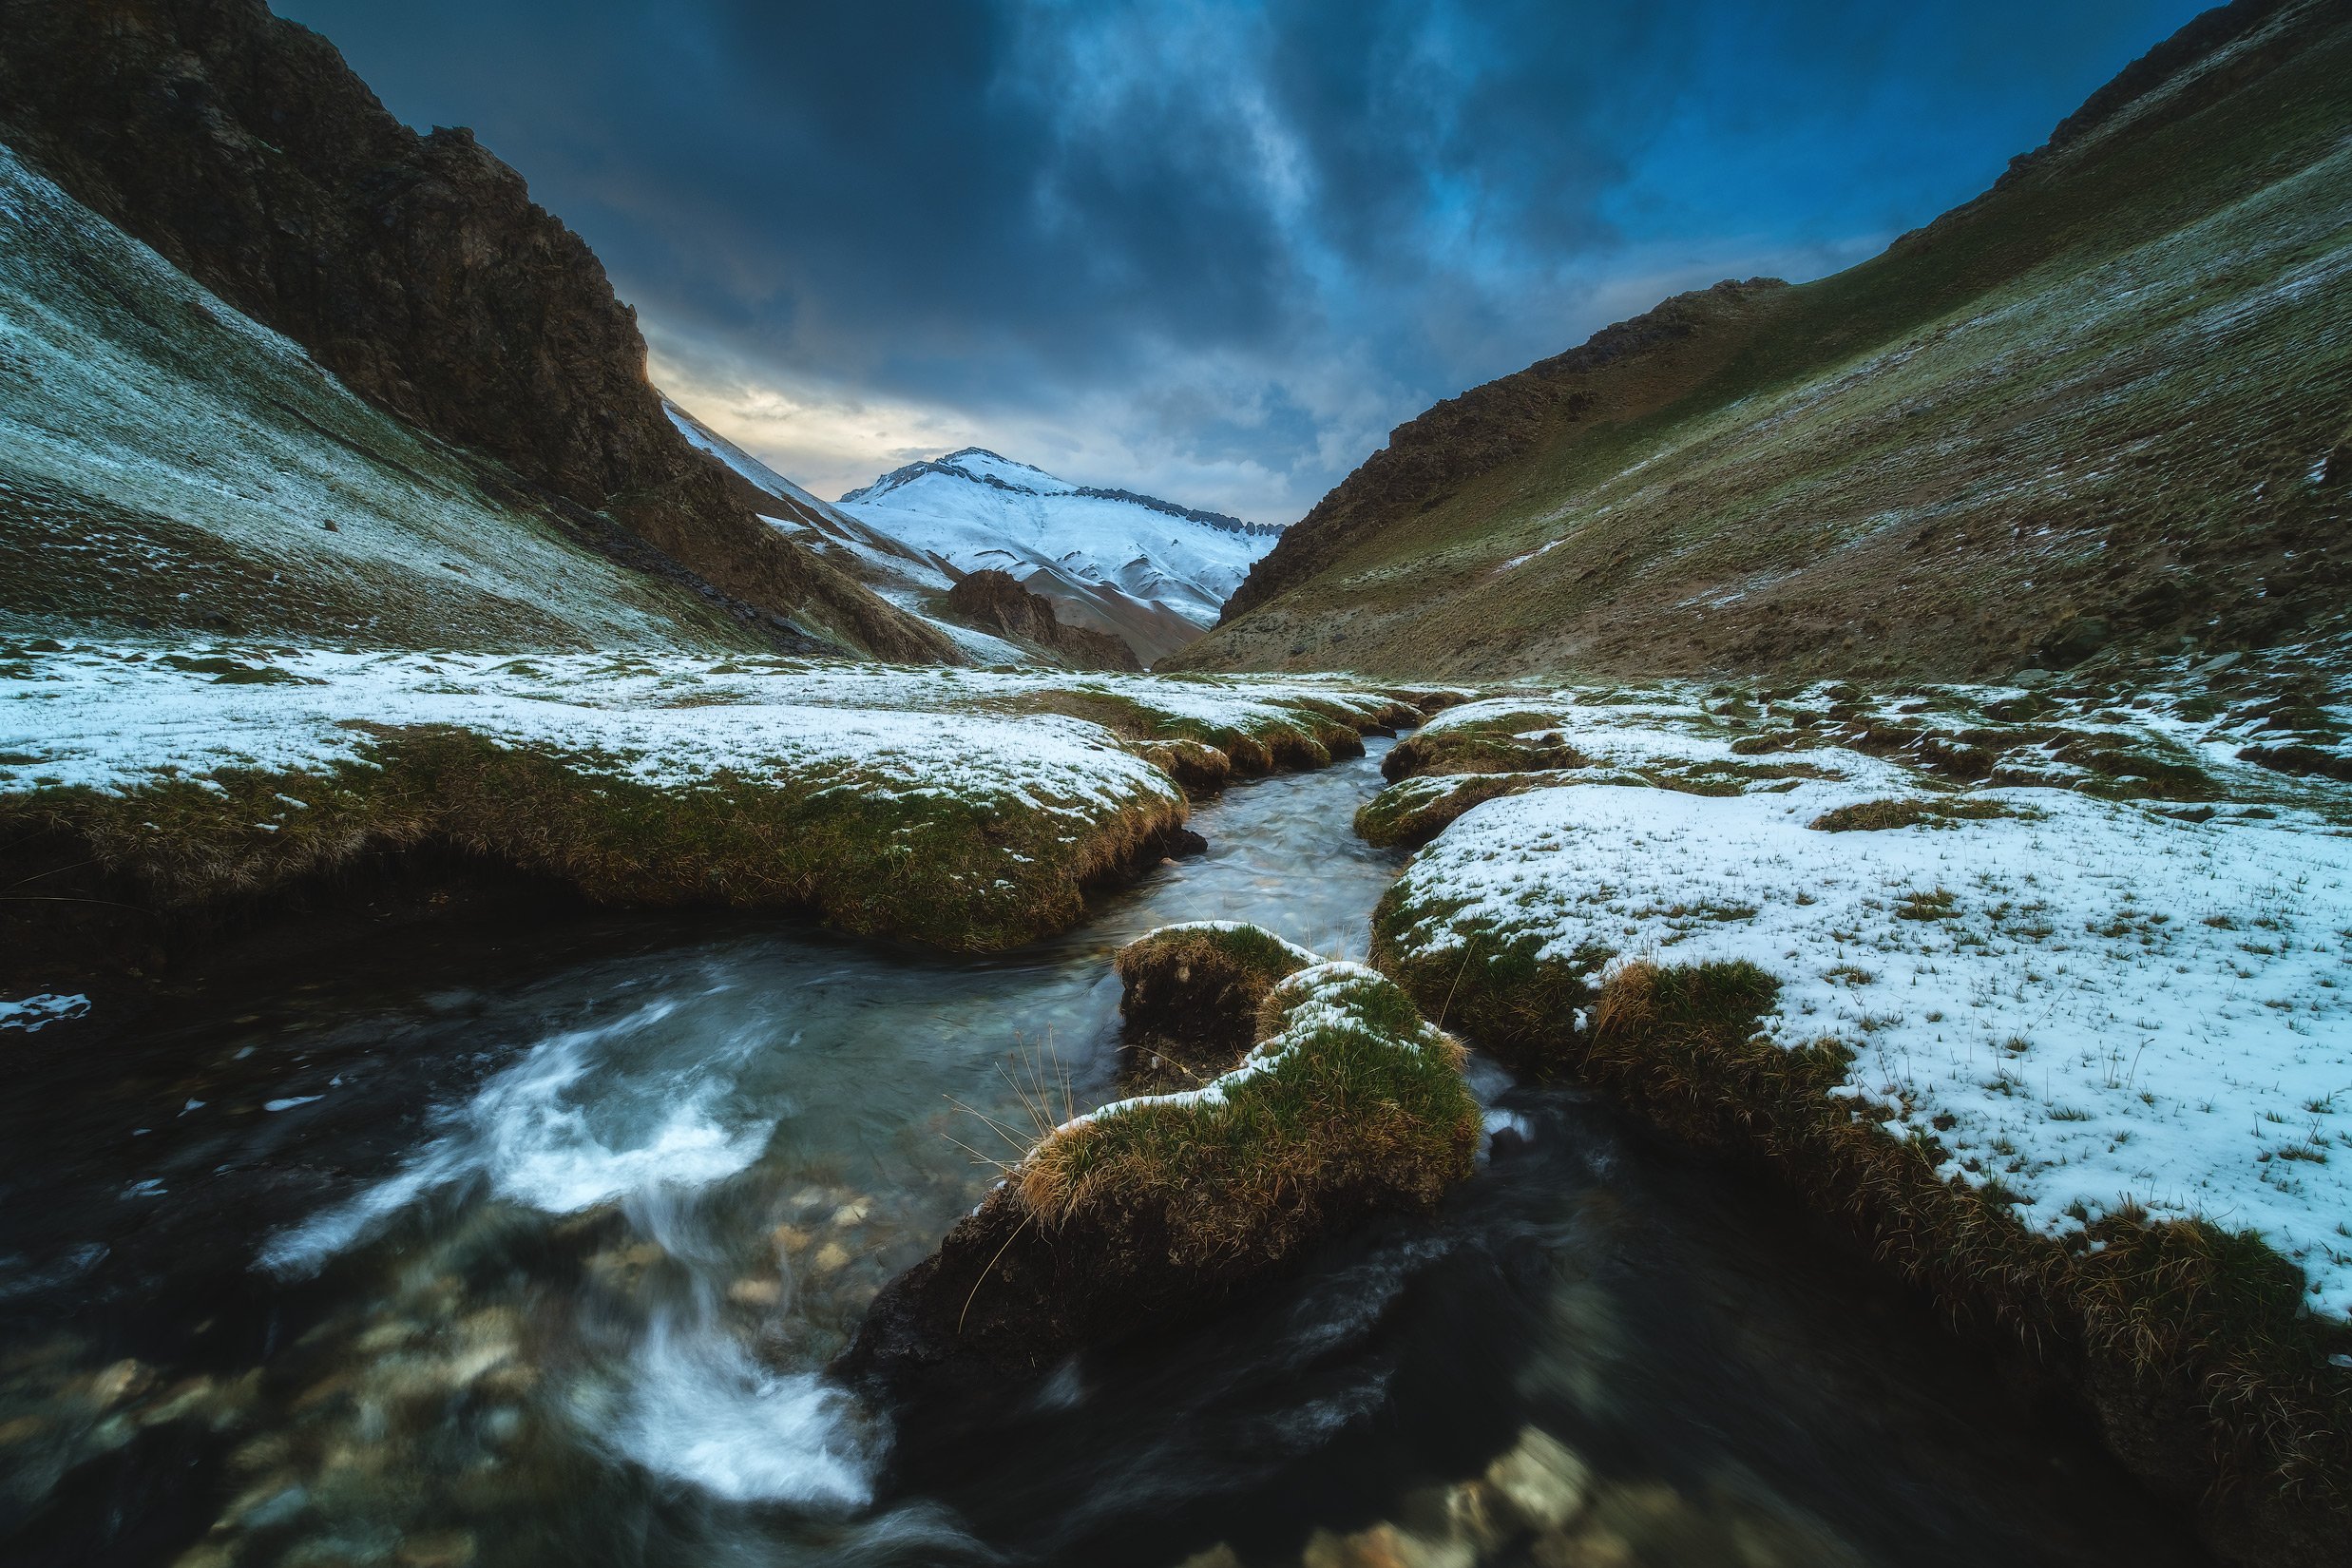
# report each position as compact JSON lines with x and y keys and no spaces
{"x":416,"y":268}
{"x":996,"y":602}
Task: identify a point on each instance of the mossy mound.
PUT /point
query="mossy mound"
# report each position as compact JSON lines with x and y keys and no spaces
{"x":1501,"y":743}
{"x":1296,"y":732}
{"x":1191,"y":995}
{"x":1200,"y":768}
{"x":974,"y":871}
{"x":1160,"y":1207}
{"x":1910,"y":812}
{"x":1408,"y":814}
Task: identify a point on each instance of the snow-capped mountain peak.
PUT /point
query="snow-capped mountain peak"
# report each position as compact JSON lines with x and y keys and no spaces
{"x":1156,"y":561}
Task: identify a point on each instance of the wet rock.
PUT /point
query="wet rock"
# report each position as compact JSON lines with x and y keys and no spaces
{"x":1385,"y":1546}
{"x":1542,"y":1479}
{"x":756,"y":1293}
{"x":444,"y":1549}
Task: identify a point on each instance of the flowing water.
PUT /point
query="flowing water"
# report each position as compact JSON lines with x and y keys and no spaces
{"x":534,"y":1252}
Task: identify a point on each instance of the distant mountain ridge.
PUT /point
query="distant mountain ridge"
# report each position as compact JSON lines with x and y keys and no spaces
{"x":1148,"y":571}
{"x":992,"y":472}
{"x":985,"y":620}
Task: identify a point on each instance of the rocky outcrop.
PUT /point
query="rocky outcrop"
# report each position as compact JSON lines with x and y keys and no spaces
{"x":995,"y":601}
{"x":416,"y":268}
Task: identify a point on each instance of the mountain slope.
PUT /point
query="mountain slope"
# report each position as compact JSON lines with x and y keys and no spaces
{"x":416,"y":269}
{"x":991,"y":624}
{"x":2106,"y":403}
{"x":1145,"y":570}
{"x":168,"y":466}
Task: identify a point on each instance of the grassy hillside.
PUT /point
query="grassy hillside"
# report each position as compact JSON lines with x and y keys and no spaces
{"x":2105,"y":407}
{"x":168,"y":466}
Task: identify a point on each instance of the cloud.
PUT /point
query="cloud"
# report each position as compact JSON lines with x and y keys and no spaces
{"x":1213,"y":249}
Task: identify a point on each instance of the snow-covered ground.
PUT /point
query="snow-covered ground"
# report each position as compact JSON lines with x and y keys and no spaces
{"x":107,"y":716}
{"x":977,"y":510}
{"x":2095,"y":1001}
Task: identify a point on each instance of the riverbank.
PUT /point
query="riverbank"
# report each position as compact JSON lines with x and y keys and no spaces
{"x":146,"y":793}
{"x":2044,"y":993}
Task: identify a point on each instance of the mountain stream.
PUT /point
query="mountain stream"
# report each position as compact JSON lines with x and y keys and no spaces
{"x":534,"y":1251}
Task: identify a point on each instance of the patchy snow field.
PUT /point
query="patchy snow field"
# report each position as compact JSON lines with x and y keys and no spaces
{"x":106,"y":715}
{"x":2093,"y":1001}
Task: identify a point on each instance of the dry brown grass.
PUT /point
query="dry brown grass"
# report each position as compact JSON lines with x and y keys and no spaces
{"x":1191,"y":995}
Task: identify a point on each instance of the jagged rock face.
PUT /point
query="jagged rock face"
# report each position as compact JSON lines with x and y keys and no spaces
{"x":993,"y":601}
{"x":416,"y":268}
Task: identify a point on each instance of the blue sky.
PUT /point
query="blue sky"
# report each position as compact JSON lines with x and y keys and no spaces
{"x":1212,"y":251}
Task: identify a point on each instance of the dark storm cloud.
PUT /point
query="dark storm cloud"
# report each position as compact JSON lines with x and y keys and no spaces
{"x":1220,"y":247}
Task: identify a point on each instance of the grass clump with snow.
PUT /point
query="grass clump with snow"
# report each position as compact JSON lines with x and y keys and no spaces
{"x":1190,"y":995}
{"x":1482,"y":738}
{"x":1350,"y":1100}
{"x":1343,"y":1101}
{"x":1409,"y":813}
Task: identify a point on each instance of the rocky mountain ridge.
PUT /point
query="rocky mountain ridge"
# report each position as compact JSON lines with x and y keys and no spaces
{"x":413,"y":267}
{"x":1147,"y":571}
{"x":992,"y":470}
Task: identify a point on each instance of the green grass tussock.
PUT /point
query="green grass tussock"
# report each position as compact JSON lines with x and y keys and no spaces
{"x":1910,"y":812}
{"x":1360,"y":1104}
{"x":1507,"y":743}
{"x":1159,"y":1208}
{"x":1305,"y":732}
{"x":1408,"y":814}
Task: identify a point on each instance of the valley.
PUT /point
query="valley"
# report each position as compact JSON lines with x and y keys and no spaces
{"x":1736,"y":950}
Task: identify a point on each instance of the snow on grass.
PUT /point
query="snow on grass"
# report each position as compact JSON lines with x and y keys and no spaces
{"x":109,"y":716}
{"x":2093,"y":1003}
